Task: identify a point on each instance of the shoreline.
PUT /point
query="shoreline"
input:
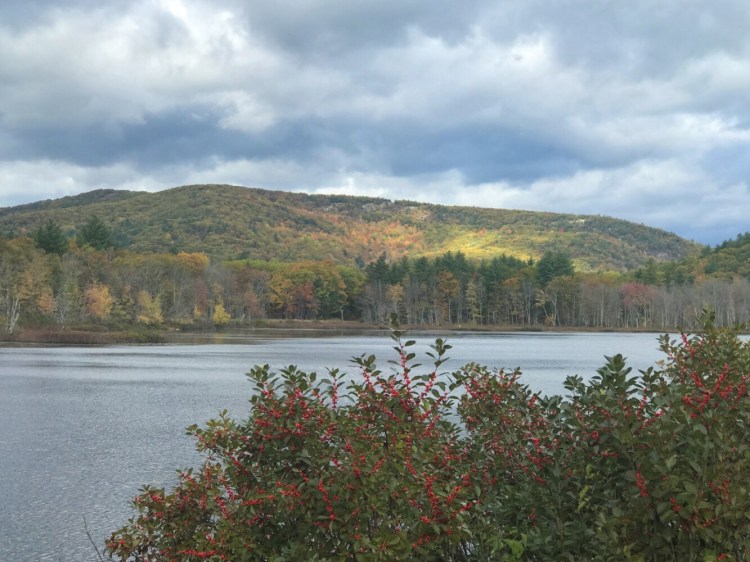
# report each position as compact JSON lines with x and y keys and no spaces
{"x":141,"y":335}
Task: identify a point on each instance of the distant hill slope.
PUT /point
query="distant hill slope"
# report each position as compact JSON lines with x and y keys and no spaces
{"x":730,"y":258}
{"x":726,"y":261}
{"x":237,"y":222}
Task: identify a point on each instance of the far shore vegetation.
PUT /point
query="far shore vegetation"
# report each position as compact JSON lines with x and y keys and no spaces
{"x":83,"y":289}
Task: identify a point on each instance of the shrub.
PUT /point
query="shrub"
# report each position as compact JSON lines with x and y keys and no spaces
{"x":649,"y":467}
{"x":407,"y":464}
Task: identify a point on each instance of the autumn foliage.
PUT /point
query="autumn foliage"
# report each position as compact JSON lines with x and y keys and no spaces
{"x":409,"y":463}
{"x":84,"y":284}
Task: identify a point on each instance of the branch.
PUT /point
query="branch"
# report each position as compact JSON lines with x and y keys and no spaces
{"x":86,"y":528}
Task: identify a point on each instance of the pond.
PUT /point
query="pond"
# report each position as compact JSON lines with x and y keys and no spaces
{"x":83,"y":428}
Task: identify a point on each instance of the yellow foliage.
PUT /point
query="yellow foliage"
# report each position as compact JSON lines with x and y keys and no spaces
{"x":195,"y":262}
{"x":98,"y":301}
{"x":395,"y":294}
{"x":149,"y":309}
{"x":220,"y":316}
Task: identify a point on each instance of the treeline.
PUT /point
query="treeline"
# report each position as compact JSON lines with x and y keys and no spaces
{"x":49,"y":279}
{"x":507,"y":291}
{"x":116,"y":288}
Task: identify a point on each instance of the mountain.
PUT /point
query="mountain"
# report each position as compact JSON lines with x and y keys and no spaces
{"x":232,"y":222}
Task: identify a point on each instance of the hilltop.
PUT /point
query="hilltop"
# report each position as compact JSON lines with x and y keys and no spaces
{"x":231,"y":222}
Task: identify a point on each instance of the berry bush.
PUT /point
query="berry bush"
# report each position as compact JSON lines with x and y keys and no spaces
{"x":412,"y":463}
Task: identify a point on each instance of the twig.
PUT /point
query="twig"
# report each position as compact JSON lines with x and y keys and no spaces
{"x":86,"y":528}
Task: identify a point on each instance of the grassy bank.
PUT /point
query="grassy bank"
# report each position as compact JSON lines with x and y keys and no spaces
{"x":83,"y":337}
{"x":101,"y":335}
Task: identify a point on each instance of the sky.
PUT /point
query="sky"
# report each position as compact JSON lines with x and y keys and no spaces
{"x":634,"y":109}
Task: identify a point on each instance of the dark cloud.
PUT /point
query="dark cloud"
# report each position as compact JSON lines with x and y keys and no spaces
{"x":335,"y":28}
{"x":638,"y":37}
{"x":480,"y":154}
{"x":397,"y":147}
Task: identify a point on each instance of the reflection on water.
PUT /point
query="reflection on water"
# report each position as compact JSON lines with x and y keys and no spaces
{"x":81,"y":429}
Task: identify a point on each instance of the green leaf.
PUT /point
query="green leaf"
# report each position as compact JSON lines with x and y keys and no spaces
{"x":671,"y":461}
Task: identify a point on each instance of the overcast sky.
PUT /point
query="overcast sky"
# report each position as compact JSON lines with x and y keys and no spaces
{"x":638,"y":109}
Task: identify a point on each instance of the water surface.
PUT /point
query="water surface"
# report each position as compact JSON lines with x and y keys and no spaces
{"x":82,"y":428}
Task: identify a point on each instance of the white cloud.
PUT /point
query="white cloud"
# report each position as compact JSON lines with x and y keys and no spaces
{"x":269,"y":174}
{"x":475,"y":80}
{"x":25,"y":181}
{"x":670,"y":194}
{"x":144,"y":60}
{"x":243,"y":112}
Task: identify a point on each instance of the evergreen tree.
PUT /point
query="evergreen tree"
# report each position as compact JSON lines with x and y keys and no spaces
{"x":554,"y":264}
{"x":378,"y":271}
{"x":50,"y":238}
{"x":96,"y":234}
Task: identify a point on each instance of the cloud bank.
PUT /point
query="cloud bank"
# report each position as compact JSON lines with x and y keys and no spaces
{"x":632,"y":110}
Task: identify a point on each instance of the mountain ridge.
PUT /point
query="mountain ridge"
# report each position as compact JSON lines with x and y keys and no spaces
{"x":235,"y":222}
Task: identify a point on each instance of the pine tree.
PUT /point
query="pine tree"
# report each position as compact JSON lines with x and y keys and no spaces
{"x":96,"y":234}
{"x":50,"y":238}
{"x":554,"y":264}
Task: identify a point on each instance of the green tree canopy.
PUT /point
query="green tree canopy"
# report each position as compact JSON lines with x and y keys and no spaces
{"x":554,"y":264}
{"x":50,"y":238}
{"x":96,"y":234}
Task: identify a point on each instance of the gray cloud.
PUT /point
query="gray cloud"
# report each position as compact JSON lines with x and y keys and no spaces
{"x":342,"y":29}
{"x":634,"y":109}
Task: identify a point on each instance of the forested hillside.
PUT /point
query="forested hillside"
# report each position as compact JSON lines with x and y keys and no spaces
{"x":109,"y":260}
{"x":49,"y":281}
{"x":229,"y":222}
{"x":726,"y":261}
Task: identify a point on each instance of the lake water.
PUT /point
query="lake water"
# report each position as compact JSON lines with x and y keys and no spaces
{"x":83,"y":428}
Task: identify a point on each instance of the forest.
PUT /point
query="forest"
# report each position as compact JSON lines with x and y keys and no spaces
{"x":232,"y":222}
{"x":52,"y":280}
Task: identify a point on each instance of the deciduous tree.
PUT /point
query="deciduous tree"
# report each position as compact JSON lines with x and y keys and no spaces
{"x":98,"y":301}
{"x":149,"y":309}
